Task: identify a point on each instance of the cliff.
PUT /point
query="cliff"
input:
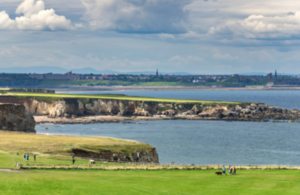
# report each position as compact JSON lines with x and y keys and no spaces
{"x":73,"y":107}
{"x":16,"y":118}
{"x":108,"y":149}
{"x":146,"y":156}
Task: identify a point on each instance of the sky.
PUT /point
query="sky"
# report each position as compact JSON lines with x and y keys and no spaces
{"x":195,"y":36}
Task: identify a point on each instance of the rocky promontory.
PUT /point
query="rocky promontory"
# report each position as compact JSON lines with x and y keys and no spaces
{"x":16,"y":118}
{"x":145,"y":156}
{"x":78,"y":107}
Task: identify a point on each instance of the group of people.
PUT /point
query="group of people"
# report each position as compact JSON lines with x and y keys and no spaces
{"x":26,"y":157}
{"x":231,"y":170}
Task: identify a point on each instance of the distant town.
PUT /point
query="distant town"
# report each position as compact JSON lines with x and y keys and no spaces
{"x":70,"y":78}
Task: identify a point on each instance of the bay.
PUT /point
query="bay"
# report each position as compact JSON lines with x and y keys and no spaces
{"x":207,"y":142}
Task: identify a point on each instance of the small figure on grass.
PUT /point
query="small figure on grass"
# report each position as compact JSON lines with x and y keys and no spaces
{"x":234,"y":171}
{"x":24,"y":157}
{"x":27,"y":156}
{"x":224,"y":170}
{"x":73,"y":159}
{"x":34,"y":157}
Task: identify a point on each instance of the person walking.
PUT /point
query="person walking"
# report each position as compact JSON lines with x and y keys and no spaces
{"x":34,"y":157}
{"x":234,"y":171}
{"x":27,"y":156}
{"x":24,"y":157}
{"x":224,"y":170}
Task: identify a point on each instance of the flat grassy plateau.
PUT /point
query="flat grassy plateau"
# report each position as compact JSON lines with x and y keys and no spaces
{"x":49,"y":98}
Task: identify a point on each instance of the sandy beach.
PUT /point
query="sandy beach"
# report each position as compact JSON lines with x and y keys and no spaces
{"x":89,"y":119}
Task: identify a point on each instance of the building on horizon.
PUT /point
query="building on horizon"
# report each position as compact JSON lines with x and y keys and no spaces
{"x":67,"y":76}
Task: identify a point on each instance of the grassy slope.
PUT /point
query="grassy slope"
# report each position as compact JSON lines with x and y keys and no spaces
{"x":116,"y":97}
{"x":25,"y":143}
{"x":150,"y":182}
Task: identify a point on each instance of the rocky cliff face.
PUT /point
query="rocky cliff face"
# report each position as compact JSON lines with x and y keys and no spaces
{"x":72,"y":107}
{"x":139,"y":156}
{"x":16,"y":118}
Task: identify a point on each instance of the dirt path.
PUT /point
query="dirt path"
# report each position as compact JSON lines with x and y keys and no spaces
{"x":12,"y":171}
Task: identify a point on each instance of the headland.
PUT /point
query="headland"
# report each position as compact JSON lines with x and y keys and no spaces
{"x":72,"y":109}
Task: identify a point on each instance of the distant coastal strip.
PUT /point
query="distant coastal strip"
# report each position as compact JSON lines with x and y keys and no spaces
{"x":175,"y":88}
{"x":68,"y":108}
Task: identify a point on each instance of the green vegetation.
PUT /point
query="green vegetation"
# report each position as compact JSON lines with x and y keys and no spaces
{"x":63,"y":145}
{"x":85,"y":182}
{"x":50,"y":98}
{"x":162,"y":109}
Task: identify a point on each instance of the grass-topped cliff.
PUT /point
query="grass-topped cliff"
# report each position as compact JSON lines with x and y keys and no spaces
{"x":50,"y":98}
{"x":11,"y":142}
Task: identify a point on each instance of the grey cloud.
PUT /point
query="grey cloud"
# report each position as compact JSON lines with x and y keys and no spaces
{"x":138,"y":16}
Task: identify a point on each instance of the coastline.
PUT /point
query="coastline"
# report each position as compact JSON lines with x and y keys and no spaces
{"x":98,"y":119}
{"x":169,"y":88}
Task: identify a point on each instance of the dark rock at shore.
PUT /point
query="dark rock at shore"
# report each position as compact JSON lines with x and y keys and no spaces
{"x":16,"y":118}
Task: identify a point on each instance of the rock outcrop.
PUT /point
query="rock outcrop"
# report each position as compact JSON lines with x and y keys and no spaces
{"x":139,"y":156}
{"x":72,"y":107}
{"x":16,"y":118}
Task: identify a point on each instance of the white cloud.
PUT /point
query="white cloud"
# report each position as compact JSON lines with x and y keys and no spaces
{"x":35,"y":17}
{"x":259,"y":26}
{"x":137,"y":16}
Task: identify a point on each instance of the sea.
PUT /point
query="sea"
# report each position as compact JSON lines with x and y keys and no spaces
{"x":206,"y":142}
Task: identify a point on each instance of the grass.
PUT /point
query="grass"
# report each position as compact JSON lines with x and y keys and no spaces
{"x":49,"y":98}
{"x":150,"y":182}
{"x":11,"y":142}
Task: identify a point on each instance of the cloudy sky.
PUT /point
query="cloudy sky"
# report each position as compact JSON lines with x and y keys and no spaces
{"x":196,"y":36}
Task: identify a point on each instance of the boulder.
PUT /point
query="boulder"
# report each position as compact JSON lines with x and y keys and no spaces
{"x":203,"y":115}
{"x":196,"y":109}
{"x":66,"y":115}
{"x":231,"y":114}
{"x":246,"y":111}
{"x":238,"y":107}
{"x":169,"y":112}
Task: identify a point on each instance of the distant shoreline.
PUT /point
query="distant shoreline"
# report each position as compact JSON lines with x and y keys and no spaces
{"x":129,"y":88}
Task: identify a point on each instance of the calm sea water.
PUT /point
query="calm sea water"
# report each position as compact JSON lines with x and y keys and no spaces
{"x":207,"y":142}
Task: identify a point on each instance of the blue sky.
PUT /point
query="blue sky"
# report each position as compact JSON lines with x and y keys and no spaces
{"x":196,"y":36}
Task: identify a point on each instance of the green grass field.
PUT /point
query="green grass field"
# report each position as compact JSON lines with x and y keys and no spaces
{"x":85,"y":182}
{"x":150,"y":182}
{"x":49,"y":98}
